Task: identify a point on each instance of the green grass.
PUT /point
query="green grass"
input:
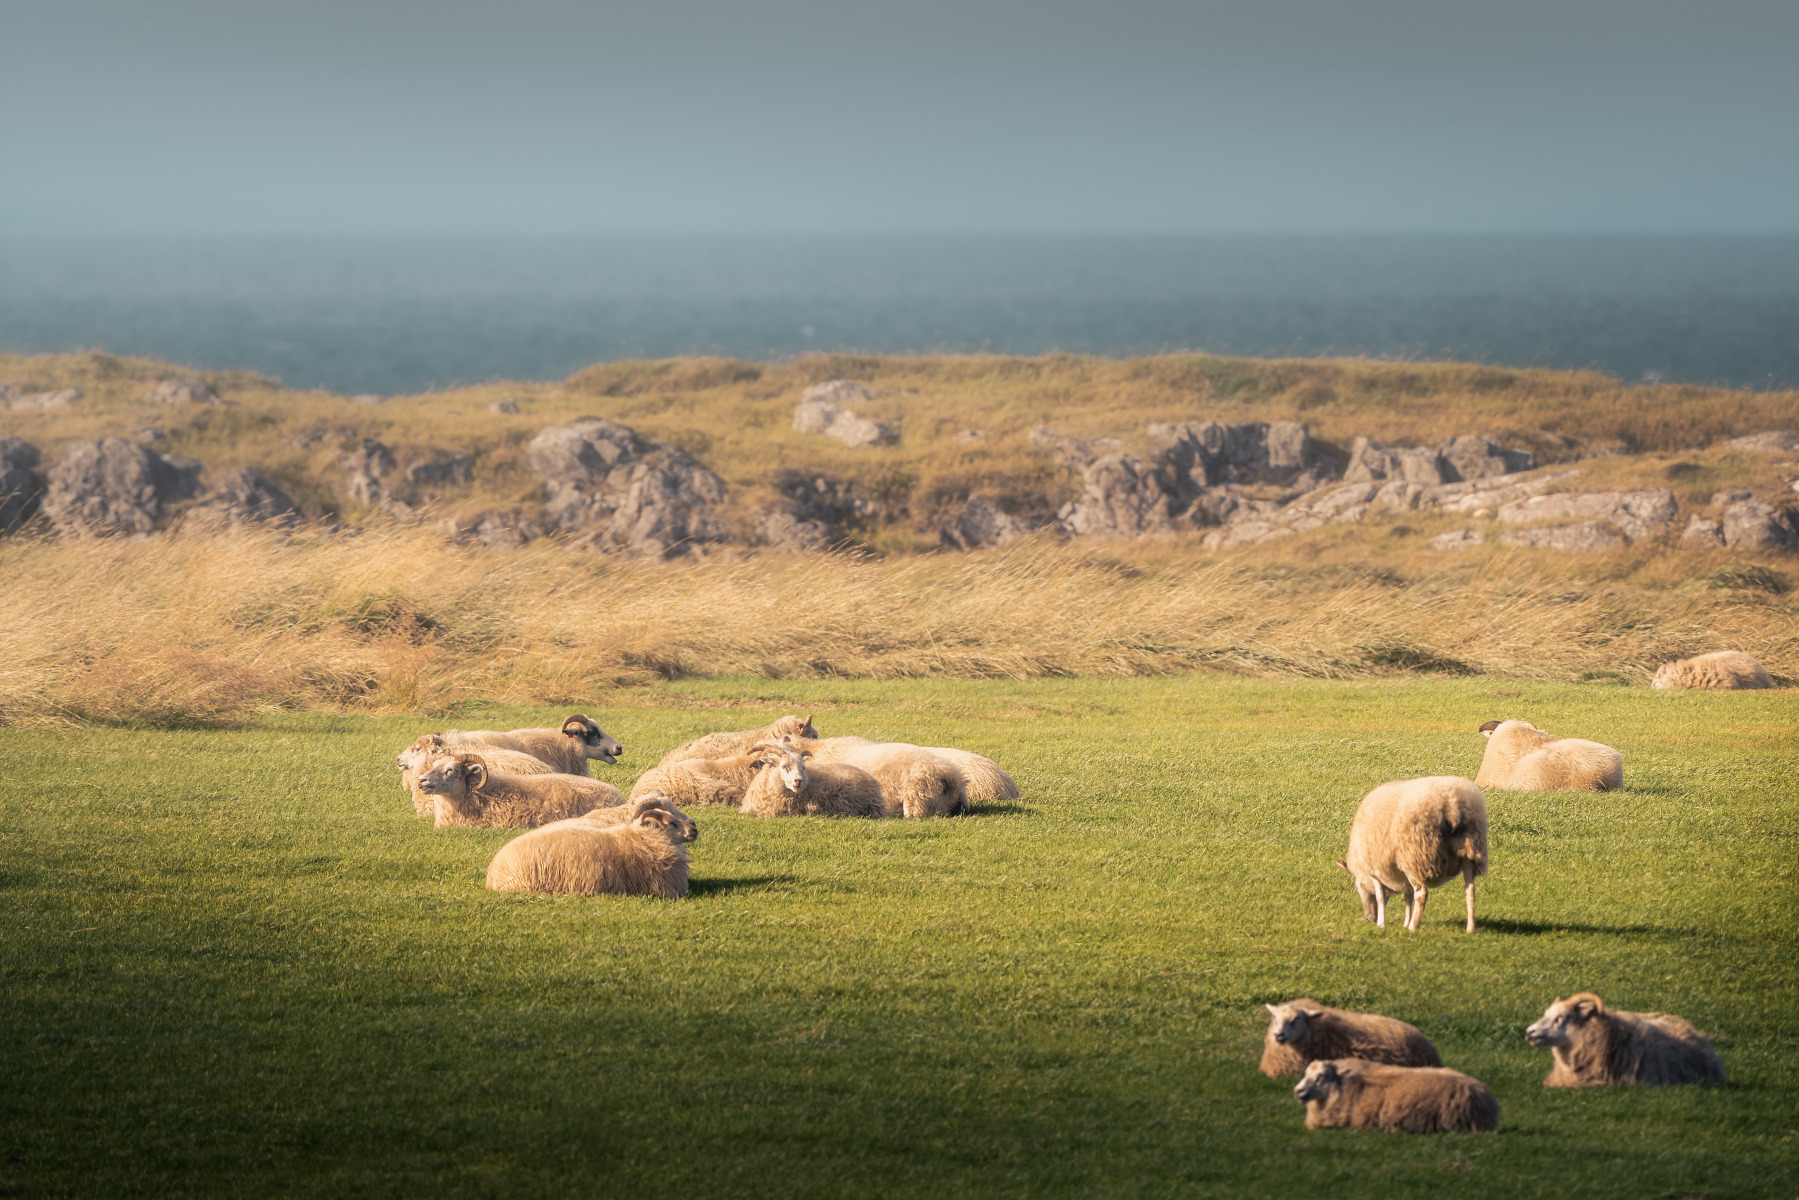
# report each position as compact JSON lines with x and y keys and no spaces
{"x":234,"y":963}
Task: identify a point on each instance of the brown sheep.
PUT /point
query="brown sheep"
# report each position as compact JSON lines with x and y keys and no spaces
{"x":1302,"y":1031}
{"x":1595,"y":1046}
{"x":469,"y":794}
{"x":727,"y":745}
{"x":566,"y":750}
{"x":787,"y":787}
{"x":595,"y":854}
{"x":1413,"y":835}
{"x":1522,"y":758}
{"x":1353,"y":1093}
{"x":1728,"y":669}
{"x":700,"y":781}
{"x":506,"y":762}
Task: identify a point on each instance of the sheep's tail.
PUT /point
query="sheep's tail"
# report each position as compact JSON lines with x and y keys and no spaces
{"x":986,"y":780}
{"x":1467,"y":839}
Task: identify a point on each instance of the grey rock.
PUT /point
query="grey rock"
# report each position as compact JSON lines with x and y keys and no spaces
{"x":619,"y":492}
{"x":1636,"y":514}
{"x":182,"y":391}
{"x":1471,"y":456}
{"x":1121,"y":497}
{"x":245,"y":497}
{"x":1756,"y":526}
{"x":982,"y":523}
{"x":506,"y":404}
{"x":843,"y":508}
{"x":1775,"y":440}
{"x":1731,"y":496}
{"x":1460,"y":539}
{"x":113,"y":486}
{"x":1584,"y":537}
{"x":969,"y":435}
{"x":823,"y":410}
{"x":1197,"y":455}
{"x":495,"y":528}
{"x":20,"y":484}
{"x":451,"y":469}
{"x":1702,"y":533}
{"x":1460,"y":459}
{"x":1072,"y":452}
{"x":783,"y":529}
{"x":368,"y":473}
{"x":1474,"y":495}
{"x":42,"y":401}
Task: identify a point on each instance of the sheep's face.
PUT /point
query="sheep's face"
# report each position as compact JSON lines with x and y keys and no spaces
{"x":660,"y":815}
{"x":794,"y":727}
{"x":1321,"y":1081}
{"x":792,"y":768}
{"x":1563,"y":1020}
{"x":451,"y":776}
{"x":1666,"y":676}
{"x":1287,"y":1023}
{"x":592,"y":739}
{"x":421,"y":752}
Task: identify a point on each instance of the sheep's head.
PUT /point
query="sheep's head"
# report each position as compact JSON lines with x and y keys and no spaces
{"x":1511,"y":725}
{"x":592,"y":739}
{"x":1666,"y":676}
{"x":1322,"y":1080}
{"x":453,"y":774}
{"x":1287,"y":1023}
{"x":1368,"y":891}
{"x":659,"y":813}
{"x":792,"y":727}
{"x":790,"y":763}
{"x":1563,"y":1019}
{"x":421,"y":752}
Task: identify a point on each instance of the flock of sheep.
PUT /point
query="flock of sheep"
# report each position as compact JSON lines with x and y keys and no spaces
{"x":1359,"y":1070}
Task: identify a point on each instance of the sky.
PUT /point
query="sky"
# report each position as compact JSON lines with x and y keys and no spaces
{"x":550,"y":117}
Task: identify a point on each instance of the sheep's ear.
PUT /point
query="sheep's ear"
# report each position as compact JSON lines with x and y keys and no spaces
{"x":1345,"y":866}
{"x":805,"y":754}
{"x":1311,"y":1013}
{"x":477,"y":774}
{"x":1487,"y":727}
{"x":1272,"y":1011}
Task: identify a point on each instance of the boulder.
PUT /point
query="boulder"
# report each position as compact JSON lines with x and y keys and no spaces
{"x":245,"y":497}
{"x":1755,"y":526}
{"x":1636,"y":514}
{"x":447,"y":469}
{"x":982,"y":523}
{"x":1474,"y":495}
{"x":1458,"y":460}
{"x":843,"y":508}
{"x":1121,"y":497}
{"x":1584,"y":537}
{"x":114,"y":486}
{"x":20,"y":485}
{"x":619,"y":492}
{"x":1460,"y":539}
{"x":1471,"y":456}
{"x":1197,"y":455}
{"x":783,"y":529}
{"x":822,"y":410}
{"x":1702,"y":533}
{"x":1072,"y":452}
{"x":182,"y":391}
{"x":1773,"y":440}
{"x":40,"y":401}
{"x":495,"y":528}
{"x":369,"y":472}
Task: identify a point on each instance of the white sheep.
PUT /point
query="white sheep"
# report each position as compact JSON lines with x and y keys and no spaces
{"x":505,"y":762}
{"x":730,"y":744}
{"x":986,"y":780}
{"x":640,"y":854}
{"x":469,"y":794}
{"x":1412,"y":835}
{"x":1726,"y":669}
{"x":1352,"y":1093}
{"x":699,"y":781}
{"x":1595,"y":1046}
{"x":566,"y":750}
{"x":1522,"y":758}
{"x":915,"y":781}
{"x":788,"y":787}
{"x":1302,"y":1031}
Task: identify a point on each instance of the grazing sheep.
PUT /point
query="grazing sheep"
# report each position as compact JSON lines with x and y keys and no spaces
{"x":506,"y":762}
{"x":639,"y":854}
{"x":1353,"y":1093}
{"x":1413,"y":835}
{"x":1302,"y":1031}
{"x":1522,"y":758}
{"x":700,"y":781}
{"x":469,"y":794}
{"x":566,"y":750}
{"x":1729,"y":669}
{"x":915,"y":781}
{"x":986,"y":779}
{"x":1595,"y":1046}
{"x":725,"y":745}
{"x":787,"y":787}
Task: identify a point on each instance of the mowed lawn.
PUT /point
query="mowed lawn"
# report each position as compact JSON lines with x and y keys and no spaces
{"x":235,"y":963}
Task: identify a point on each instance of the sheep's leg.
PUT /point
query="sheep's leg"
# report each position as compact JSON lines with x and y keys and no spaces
{"x":1380,"y":904}
{"x":1468,"y":891}
{"x":1418,"y":909}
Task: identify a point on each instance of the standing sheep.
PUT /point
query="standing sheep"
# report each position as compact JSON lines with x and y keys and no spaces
{"x":1352,"y":1093}
{"x":566,"y":750}
{"x":700,"y":781}
{"x":787,"y":787}
{"x":1728,"y":669}
{"x":915,"y":781}
{"x":506,"y":762}
{"x":1303,"y":1031}
{"x":1413,"y":835}
{"x":1522,"y":758}
{"x":641,"y":855}
{"x":469,"y":794}
{"x":726,"y":745}
{"x":1599,"y":1047}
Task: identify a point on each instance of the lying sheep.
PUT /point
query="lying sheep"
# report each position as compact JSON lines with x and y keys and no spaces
{"x":700,"y":781}
{"x":1522,"y":758}
{"x":726,"y":745}
{"x":469,"y":794}
{"x":788,"y":787}
{"x":599,"y":853}
{"x":1413,"y":835}
{"x":1353,"y":1093}
{"x":1595,"y":1046}
{"x":1730,"y":669}
{"x":986,"y":780}
{"x":506,"y":762}
{"x":565,"y":750}
{"x":916,"y":782}
{"x":1302,"y":1031}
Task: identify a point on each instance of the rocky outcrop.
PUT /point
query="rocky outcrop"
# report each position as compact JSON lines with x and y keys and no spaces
{"x":1635,"y":514}
{"x":1206,"y":454}
{"x":1459,"y":460}
{"x":618,"y":491}
{"x":182,"y":391}
{"x":246,"y":497}
{"x":1778,"y":440}
{"x":504,"y":405}
{"x":783,"y":529}
{"x":38,"y":401}
{"x":370,"y":473}
{"x":824,"y":410}
{"x":981,"y":524}
{"x":20,"y":485}
{"x":1460,"y":539}
{"x":1744,"y":523}
{"x":1121,"y":497}
{"x":113,"y":486}
{"x":841,"y":507}
{"x":1579,"y":538}
{"x":445,"y":469}
{"x":496,"y":528}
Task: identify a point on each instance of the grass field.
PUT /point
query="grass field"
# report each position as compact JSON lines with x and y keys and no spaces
{"x":234,"y":962}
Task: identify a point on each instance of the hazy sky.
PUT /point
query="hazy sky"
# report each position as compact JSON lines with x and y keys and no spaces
{"x":1128,"y":116}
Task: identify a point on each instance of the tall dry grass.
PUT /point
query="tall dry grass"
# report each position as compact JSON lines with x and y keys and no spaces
{"x":209,"y":628}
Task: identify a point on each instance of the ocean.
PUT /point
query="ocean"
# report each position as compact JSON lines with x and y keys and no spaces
{"x":394,"y":315}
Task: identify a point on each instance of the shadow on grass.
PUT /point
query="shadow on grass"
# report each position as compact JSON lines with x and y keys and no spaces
{"x":999,"y":810}
{"x":1526,"y":928}
{"x":719,"y":887}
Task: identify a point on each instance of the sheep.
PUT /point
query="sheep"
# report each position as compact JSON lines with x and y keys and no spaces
{"x":725,"y":745}
{"x":915,"y":781}
{"x":1595,"y":1046}
{"x":1729,"y":669}
{"x":986,"y":779}
{"x":469,"y":794}
{"x":787,"y":787}
{"x":1412,"y":835}
{"x":1353,"y":1093}
{"x":1302,"y":1031}
{"x":1522,"y":758}
{"x":506,"y":762}
{"x":638,"y":854}
{"x":700,"y":781}
{"x":566,"y":750}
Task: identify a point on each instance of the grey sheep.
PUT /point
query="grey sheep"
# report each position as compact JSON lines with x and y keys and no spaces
{"x":1303,"y":1031}
{"x":1595,"y":1046}
{"x":788,"y":787}
{"x":1413,"y":835}
{"x":1353,"y":1093}
{"x":596,"y":854}
{"x":469,"y":794}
